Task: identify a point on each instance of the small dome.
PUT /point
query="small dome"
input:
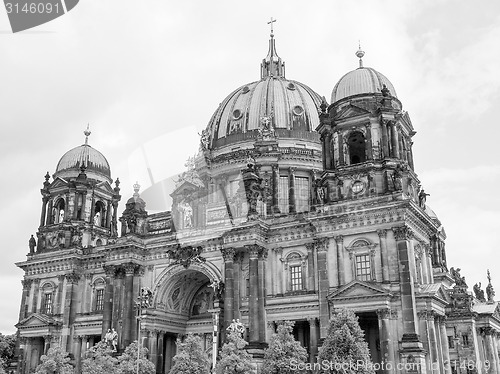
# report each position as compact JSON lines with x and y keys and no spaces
{"x":96,"y":165}
{"x":361,"y":81}
{"x":290,"y":104}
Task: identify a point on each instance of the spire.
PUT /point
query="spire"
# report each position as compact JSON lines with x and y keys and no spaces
{"x":272,"y":66}
{"x":87,"y":134}
{"x":360,"y":53}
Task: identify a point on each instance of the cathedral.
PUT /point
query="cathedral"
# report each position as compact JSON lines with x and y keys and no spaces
{"x":292,"y":208}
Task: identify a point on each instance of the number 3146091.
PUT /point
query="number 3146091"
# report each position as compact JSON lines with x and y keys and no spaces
{"x":33,"y":8}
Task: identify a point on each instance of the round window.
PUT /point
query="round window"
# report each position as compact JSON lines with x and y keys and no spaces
{"x":290,"y":86}
{"x":298,"y":110}
{"x":245,"y":89}
{"x":237,"y":114}
{"x":357,"y":187}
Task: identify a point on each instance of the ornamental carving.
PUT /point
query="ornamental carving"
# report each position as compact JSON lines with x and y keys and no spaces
{"x":228,"y":254}
{"x":263,"y":253}
{"x":26,"y":283}
{"x":402,"y":233}
{"x":129,"y":268}
{"x":322,"y":244}
{"x":382,"y":233}
{"x":109,"y":270}
{"x":339,"y":239}
{"x":253,"y":250}
{"x":186,"y":255}
{"x":72,"y":278}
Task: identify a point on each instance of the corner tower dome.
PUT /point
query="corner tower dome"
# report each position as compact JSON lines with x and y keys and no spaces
{"x":95,"y":164}
{"x":362,"y":81}
{"x":291,"y":106}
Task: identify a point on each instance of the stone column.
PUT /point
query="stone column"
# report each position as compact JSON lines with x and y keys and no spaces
{"x":45,"y":199}
{"x":342,"y":160}
{"x":403,"y":235}
{"x":108,"y":215}
{"x":128,"y":304}
{"x":411,"y":347}
{"x":169,"y":341}
{"x":310,"y":266}
{"x":253,"y":302}
{"x":386,"y":338}
{"x":291,"y":191}
{"x":69,"y":312}
{"x":46,"y":343}
{"x":428,"y":315}
{"x":441,"y":320}
{"x":24,"y":298}
{"x":327,"y":147}
{"x":153,"y":346}
{"x":313,"y":339}
{"x":385,"y":140}
{"x":238,"y":257}
{"x":262,"y":293}
{"x":107,"y":312}
{"x":160,"y":361}
{"x":36,"y":291}
{"x":394,"y":140}
{"x":279,"y":272}
{"x":228,"y":255}
{"x":85,"y":340}
{"x":276,"y":180}
{"x":491,"y":355}
{"x":323,"y":283}
{"x":340,"y":259}
{"x":84,"y":203}
{"x":77,"y":352}
{"x":92,"y":210}
{"x":59,"y":292}
{"x":384,"y":256}
{"x":369,"y":145}
{"x":49,"y":220}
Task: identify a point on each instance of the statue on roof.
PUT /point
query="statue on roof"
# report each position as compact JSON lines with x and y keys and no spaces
{"x":32,"y":244}
{"x":422,"y":198}
{"x":459,"y":280}
{"x":478,"y":292}
{"x":490,"y":292}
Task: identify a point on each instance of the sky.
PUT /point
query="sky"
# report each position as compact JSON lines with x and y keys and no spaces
{"x":147,"y":77}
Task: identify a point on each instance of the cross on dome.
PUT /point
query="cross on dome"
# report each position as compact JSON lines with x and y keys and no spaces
{"x":271,"y":23}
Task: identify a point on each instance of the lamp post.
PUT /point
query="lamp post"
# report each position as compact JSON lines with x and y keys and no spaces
{"x":144,"y":301}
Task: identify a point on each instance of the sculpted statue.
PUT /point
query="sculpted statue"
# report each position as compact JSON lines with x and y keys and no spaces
{"x":97,"y":217}
{"x":478,"y":292}
{"x":114,"y":339}
{"x":32,"y":244}
{"x":459,"y":280}
{"x":422,"y":198}
{"x":109,"y":338}
{"x":490,"y":292}
{"x":236,"y":326}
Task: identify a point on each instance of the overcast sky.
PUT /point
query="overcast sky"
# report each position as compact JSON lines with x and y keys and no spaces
{"x":148,"y":76}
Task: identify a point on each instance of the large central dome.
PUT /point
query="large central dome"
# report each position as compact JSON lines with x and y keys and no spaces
{"x":292,"y":107}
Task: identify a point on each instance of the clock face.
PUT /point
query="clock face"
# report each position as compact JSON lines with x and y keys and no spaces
{"x":357,"y":187}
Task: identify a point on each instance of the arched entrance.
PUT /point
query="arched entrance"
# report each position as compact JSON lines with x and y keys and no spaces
{"x":184,"y":303}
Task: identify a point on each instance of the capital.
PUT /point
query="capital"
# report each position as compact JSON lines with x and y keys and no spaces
{"x":26,"y":283}
{"x":339,"y":239}
{"x":129,"y":268}
{"x":228,"y":254}
{"x":72,"y":278}
{"x":382,"y":233}
{"x":402,"y":233}
{"x":109,"y":270}
{"x":253,"y":250}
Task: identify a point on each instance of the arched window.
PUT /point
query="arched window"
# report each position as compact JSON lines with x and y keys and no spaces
{"x":98,"y":303}
{"x":362,"y":253}
{"x":48,"y":298}
{"x":357,"y":147}
{"x":296,"y":270}
{"x":99,"y":214}
{"x":58,"y":211}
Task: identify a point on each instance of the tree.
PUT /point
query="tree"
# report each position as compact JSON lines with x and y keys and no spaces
{"x":234,"y":358}
{"x":190,"y":357}
{"x":284,"y":352}
{"x":56,"y":361}
{"x":128,"y":361}
{"x":99,"y":360}
{"x":344,"y":347}
{"x":7,"y":349}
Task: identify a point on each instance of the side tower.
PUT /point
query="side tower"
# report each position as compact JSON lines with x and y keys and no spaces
{"x":78,"y":219}
{"x":386,"y":237}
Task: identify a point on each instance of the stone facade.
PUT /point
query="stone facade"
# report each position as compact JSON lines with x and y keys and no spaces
{"x":316,"y":207}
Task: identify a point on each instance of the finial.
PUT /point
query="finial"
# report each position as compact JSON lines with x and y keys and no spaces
{"x":87,"y":134}
{"x":360,"y":53}
{"x":271,"y":23}
{"x":488,"y":276}
{"x":137,"y":186}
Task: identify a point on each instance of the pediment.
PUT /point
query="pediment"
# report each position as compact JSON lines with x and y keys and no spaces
{"x":351,"y":111}
{"x":435,"y":290}
{"x":58,"y":182}
{"x":359,"y":289}
{"x":36,"y":320}
{"x":105,"y":186}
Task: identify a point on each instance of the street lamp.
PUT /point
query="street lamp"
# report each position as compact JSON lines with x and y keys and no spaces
{"x":144,"y":301}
